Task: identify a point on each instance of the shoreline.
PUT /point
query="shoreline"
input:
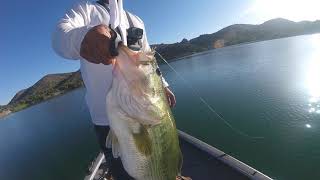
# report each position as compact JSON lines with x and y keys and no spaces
{"x":5,"y":113}
{"x":229,"y":46}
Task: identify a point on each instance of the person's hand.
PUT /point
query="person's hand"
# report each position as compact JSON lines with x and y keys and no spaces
{"x":96,"y":44}
{"x":170,"y":96}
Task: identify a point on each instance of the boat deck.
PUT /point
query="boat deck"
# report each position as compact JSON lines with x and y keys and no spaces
{"x":198,"y":165}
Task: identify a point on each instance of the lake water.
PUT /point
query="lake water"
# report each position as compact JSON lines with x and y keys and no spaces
{"x":50,"y":141}
{"x":269,"y":89}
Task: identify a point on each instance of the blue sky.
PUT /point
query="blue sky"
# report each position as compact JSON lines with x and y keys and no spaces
{"x":26,"y":27}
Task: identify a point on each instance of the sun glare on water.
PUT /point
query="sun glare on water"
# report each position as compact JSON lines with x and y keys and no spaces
{"x":313,"y":71}
{"x":312,"y":79}
{"x":296,"y":10}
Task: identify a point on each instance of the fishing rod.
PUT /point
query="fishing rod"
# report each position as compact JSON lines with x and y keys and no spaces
{"x":197,"y":94}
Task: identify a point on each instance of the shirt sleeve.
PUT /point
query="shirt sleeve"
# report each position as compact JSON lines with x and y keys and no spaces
{"x":70,"y":31}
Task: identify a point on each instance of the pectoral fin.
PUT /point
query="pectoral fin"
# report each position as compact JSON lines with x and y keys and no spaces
{"x":142,"y":141}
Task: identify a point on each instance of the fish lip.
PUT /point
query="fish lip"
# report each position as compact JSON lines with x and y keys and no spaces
{"x":155,"y":124}
{"x":145,"y":62}
{"x":136,"y":55}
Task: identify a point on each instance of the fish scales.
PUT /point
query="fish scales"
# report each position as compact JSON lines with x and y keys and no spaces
{"x":141,"y":120}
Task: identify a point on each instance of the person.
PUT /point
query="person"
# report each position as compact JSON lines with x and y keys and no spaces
{"x":84,"y":34}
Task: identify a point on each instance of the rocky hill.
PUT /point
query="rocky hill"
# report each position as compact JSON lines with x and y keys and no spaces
{"x":237,"y":34}
{"x":47,"y":87}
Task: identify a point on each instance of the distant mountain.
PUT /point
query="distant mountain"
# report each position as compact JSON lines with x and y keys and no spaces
{"x":47,"y":87}
{"x":56,"y":84}
{"x":236,"y":34}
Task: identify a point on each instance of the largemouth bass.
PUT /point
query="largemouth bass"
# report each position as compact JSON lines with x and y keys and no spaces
{"x":143,"y":131}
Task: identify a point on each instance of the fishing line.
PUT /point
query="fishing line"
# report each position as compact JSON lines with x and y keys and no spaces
{"x":197,"y":94}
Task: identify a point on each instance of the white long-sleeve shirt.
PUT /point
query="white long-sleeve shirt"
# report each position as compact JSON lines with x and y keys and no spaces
{"x":66,"y":42}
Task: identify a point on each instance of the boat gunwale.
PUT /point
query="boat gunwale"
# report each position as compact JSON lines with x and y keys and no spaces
{"x":232,"y":162}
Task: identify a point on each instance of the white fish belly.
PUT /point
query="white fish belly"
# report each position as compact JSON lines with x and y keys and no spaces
{"x":133,"y":161}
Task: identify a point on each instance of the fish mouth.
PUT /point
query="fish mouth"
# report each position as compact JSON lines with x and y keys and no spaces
{"x":143,"y":58}
{"x":144,"y":62}
{"x":139,"y":57}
